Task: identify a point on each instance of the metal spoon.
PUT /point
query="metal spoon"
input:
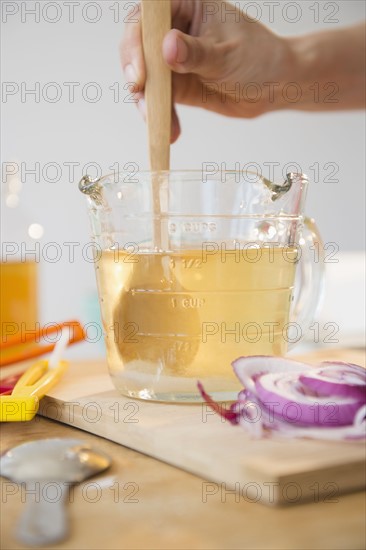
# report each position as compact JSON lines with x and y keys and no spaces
{"x":48,"y":467}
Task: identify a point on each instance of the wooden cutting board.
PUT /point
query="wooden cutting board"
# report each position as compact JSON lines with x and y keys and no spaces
{"x":273,"y":471}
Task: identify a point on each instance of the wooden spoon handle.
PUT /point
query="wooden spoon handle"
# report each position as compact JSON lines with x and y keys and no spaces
{"x":156,"y":22}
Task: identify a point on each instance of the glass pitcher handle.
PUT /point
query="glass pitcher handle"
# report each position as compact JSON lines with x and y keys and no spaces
{"x":309,"y":281}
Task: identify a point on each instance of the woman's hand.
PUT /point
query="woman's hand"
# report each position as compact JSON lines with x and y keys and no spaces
{"x":224,"y":61}
{"x":214,"y":51}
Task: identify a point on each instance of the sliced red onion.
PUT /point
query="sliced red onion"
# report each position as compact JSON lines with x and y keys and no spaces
{"x":352,"y":366}
{"x":283,"y":393}
{"x":337,"y":379}
{"x":248,"y":368}
{"x":282,"y":396}
{"x":268,"y":424}
{"x":220,"y":409}
{"x":360,"y":416}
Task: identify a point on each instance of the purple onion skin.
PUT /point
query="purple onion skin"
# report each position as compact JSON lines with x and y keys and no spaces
{"x":331,"y":402}
{"x":356,"y":369}
{"x":315,"y":413}
{"x":336,"y":389}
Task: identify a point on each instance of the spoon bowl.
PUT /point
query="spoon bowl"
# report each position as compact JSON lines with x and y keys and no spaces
{"x":59,"y":462}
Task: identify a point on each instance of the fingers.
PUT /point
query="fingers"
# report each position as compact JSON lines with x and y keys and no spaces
{"x":132,"y":57}
{"x":189,"y":54}
{"x":131,"y":48}
{"x":175,"y":127}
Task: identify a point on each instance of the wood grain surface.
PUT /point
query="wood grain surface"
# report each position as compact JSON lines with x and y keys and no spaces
{"x":273,"y":470}
{"x":169,"y":510}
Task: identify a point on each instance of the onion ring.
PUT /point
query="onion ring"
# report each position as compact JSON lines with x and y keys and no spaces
{"x":294,"y":399}
{"x":345,"y":380}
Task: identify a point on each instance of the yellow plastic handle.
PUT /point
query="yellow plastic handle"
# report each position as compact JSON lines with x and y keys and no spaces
{"x":18,"y":409}
{"x":37,"y":380}
{"x":23,"y":403}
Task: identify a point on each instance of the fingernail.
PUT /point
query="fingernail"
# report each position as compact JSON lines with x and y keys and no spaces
{"x":130,"y":73}
{"x":142,"y":107}
{"x":182,"y":51}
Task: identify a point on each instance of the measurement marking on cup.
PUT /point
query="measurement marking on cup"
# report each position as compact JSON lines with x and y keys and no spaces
{"x":188,"y":302}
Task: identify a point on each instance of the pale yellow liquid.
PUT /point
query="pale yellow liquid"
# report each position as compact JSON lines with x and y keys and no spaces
{"x":172,"y":319}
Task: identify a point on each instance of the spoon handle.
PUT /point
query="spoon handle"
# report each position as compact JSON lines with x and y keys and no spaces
{"x":156,"y":22}
{"x":43,"y":521}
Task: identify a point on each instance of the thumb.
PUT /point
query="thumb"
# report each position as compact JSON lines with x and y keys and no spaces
{"x":190,"y":54}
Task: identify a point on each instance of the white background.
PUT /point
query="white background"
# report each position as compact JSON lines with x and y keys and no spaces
{"x":106,"y":132}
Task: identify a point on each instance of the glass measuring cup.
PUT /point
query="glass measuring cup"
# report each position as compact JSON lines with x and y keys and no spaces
{"x":195,"y":270}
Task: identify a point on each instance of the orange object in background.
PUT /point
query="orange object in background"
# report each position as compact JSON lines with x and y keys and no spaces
{"x":26,"y":345}
{"x":18,"y":294}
